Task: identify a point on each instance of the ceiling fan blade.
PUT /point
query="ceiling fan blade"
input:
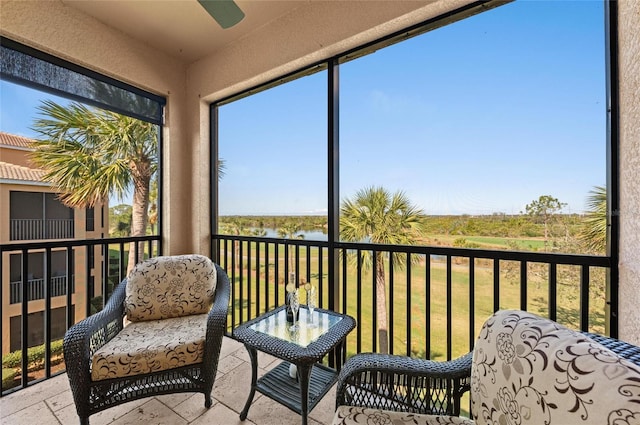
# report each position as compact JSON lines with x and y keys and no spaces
{"x":225,"y":12}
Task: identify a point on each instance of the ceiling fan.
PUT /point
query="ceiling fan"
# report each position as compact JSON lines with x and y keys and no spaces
{"x":225,"y":12}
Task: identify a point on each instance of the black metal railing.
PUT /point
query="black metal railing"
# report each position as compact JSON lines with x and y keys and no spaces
{"x":437,"y":297}
{"x":22,"y":229}
{"x":96,"y":267}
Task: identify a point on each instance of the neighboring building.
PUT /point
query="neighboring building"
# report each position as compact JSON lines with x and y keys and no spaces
{"x":30,"y":211}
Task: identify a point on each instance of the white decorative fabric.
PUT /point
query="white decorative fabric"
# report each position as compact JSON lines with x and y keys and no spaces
{"x":349,"y":415}
{"x":528,"y":370}
{"x":174,"y":286}
{"x":151,"y":346}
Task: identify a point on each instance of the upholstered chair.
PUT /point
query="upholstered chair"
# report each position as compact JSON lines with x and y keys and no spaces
{"x":160,"y":332}
{"x":525,"y":370}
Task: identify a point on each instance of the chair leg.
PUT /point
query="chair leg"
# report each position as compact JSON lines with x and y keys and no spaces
{"x":207,"y":401}
{"x":84,"y":420}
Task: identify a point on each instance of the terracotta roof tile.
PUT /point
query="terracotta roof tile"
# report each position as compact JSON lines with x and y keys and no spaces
{"x":17,"y":172}
{"x":14,"y":140}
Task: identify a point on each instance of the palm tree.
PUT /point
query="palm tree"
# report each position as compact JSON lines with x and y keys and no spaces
{"x":89,"y":155}
{"x":235,"y":226}
{"x":289,"y":230}
{"x":376,"y":216}
{"x":153,"y":206}
{"x":594,"y":231}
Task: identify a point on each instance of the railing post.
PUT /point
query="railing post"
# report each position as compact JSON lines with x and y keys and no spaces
{"x":24,"y":317}
{"x":47,"y":312}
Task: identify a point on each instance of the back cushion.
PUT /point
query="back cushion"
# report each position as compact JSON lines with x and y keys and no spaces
{"x":165,"y":287}
{"x":531,"y":370}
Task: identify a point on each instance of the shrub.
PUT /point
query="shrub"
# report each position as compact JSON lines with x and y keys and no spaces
{"x":8,"y":376}
{"x":463,"y":243}
{"x":35,"y":356}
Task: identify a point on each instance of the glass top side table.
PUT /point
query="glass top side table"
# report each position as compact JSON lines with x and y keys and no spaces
{"x":276,"y":325}
{"x":304,"y":348}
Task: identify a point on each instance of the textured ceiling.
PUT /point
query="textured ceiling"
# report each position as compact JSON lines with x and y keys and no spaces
{"x":181,"y":28}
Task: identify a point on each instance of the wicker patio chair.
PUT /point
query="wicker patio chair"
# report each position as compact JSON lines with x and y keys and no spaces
{"x":525,"y":369}
{"x":405,"y":384}
{"x":177,"y":309}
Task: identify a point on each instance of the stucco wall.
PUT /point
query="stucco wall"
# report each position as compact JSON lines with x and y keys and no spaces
{"x":629,"y":63}
{"x":15,"y":156}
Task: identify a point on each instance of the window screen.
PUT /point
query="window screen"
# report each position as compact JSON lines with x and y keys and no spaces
{"x":24,"y":65}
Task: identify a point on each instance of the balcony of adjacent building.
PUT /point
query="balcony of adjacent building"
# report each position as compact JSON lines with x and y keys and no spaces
{"x":38,"y":216}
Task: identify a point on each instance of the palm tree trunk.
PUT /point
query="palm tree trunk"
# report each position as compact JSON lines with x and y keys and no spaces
{"x":139,"y":215}
{"x":381,"y":305}
{"x":236,"y":249}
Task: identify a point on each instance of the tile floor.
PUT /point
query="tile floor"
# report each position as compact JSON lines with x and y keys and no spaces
{"x":50,"y":402}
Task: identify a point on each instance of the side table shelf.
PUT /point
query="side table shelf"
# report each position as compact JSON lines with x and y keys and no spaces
{"x":278,"y":385}
{"x":303,"y":347}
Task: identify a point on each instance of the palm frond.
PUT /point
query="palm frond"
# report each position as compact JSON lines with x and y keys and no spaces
{"x":374,"y":215}
{"x":594,"y":230}
{"x":90,"y":154}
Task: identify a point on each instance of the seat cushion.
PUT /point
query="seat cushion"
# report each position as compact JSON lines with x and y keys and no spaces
{"x":349,"y":415}
{"x":174,"y":286}
{"x":151,"y":346}
{"x":528,"y":370}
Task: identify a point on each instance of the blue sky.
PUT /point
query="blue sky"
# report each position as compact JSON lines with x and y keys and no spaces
{"x":478,"y":117}
{"x":481,"y":116}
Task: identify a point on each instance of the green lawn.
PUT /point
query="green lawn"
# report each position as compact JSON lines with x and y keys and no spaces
{"x":436,"y":310}
{"x":492,"y":242}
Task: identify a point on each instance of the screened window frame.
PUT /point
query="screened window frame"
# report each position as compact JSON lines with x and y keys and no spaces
{"x":333,"y":92}
{"x":157,"y":119}
{"x":14,"y":72}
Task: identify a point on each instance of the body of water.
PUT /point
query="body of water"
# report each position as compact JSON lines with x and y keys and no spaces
{"x":309,"y":236}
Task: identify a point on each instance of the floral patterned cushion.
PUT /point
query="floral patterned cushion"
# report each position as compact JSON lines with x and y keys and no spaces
{"x":349,"y":415}
{"x":151,"y":346}
{"x":164,"y":287}
{"x":531,"y":370}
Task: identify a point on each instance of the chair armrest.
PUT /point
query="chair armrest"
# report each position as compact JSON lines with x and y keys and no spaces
{"x":406,"y":384}
{"x":87,"y":336}
{"x":217,"y":318}
{"x":623,"y":349}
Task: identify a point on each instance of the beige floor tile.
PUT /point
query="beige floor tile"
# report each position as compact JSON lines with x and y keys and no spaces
{"x":36,"y":413}
{"x":324,"y":411}
{"x":265,"y":361}
{"x":220,"y":414}
{"x":228,"y":363}
{"x":192,"y":408}
{"x":68,"y":414}
{"x":233,"y":388}
{"x":229,"y":345}
{"x":266,"y":411}
{"x":172,"y":400}
{"x":51,"y":402}
{"x":60,"y":401}
{"x":33,"y":395}
{"x":151,"y":413}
